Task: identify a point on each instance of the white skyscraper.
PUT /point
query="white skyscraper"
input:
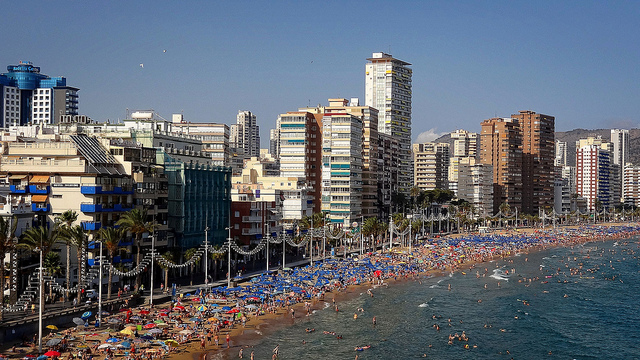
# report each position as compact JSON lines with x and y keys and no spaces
{"x":388,"y":89}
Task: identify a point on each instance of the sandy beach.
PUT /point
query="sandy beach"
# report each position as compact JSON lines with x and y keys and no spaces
{"x":186,"y":330}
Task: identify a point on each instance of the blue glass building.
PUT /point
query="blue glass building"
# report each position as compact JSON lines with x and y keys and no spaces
{"x":29,"y":97}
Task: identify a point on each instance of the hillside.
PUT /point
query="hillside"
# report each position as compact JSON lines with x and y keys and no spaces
{"x":570,"y":137}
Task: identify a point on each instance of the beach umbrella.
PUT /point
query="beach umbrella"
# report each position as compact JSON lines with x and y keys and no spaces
{"x":86,"y":315}
{"x":155,"y":331}
{"x":105,"y":346}
{"x":201,"y":308}
{"x":112,"y":340}
{"x":171,"y":342}
{"x":114,"y":321}
{"x":163,"y":325}
{"x":144,"y":312}
{"x":158,"y":322}
{"x":52,"y":353}
{"x":185,"y":332}
{"x":78,"y":321}
{"x":126,"y":331}
{"x":226,"y":308}
{"x":233,"y":311}
{"x":195,"y":319}
{"x":54,"y":342}
{"x":251,"y":306}
{"x":149,"y":326}
{"x":146,"y":337}
{"x":52,"y":327}
{"x":163,"y":314}
{"x":41,"y":357}
{"x":126,"y":344}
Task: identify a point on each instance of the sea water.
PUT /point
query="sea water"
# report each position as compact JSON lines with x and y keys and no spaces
{"x":589,"y":314}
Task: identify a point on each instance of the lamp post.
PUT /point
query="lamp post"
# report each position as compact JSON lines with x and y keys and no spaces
{"x":206,"y":257}
{"x":100,"y":289}
{"x":267,"y":233}
{"x":41,"y":305}
{"x":311,"y":241}
{"x":153,"y":250}
{"x":229,"y":239}
{"x":284,"y":254}
{"x":361,"y":235}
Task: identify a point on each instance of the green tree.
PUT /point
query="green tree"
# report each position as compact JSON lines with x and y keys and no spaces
{"x":66,"y":219}
{"x":51,"y":263}
{"x":40,"y":238}
{"x":110,"y":238}
{"x":135,"y":221}
{"x":188,"y":255}
{"x":7,"y":245}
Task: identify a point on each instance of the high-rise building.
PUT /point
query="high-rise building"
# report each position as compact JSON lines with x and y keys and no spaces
{"x":301,"y":150}
{"x":465,"y":144}
{"x":214,"y":137}
{"x":561,"y":153}
{"x":475,"y":185}
{"x":631,"y":185}
{"x":388,"y":89}
{"x":342,"y":166}
{"x":29,"y":97}
{"x":620,"y":142}
{"x":247,"y":133}
{"x":501,"y":147}
{"x":431,"y":161}
{"x":274,"y":142}
{"x":538,"y":152}
{"x":592,"y":176}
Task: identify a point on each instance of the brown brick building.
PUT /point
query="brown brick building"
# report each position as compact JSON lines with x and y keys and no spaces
{"x":538,"y":152}
{"x":501,"y":147}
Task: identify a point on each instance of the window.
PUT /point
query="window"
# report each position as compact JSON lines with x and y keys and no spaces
{"x":237,"y":214}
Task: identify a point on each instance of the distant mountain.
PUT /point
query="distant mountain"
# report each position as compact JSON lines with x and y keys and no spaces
{"x":570,"y":137}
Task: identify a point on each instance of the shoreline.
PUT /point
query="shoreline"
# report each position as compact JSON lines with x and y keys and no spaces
{"x":425,"y":261}
{"x":274,"y":323}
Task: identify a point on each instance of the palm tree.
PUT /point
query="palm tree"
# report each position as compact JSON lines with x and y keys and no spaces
{"x":110,"y":238}
{"x":40,"y":238}
{"x":414,"y":193}
{"x":7,"y":245}
{"x":171,"y":257}
{"x":51,"y":263}
{"x":76,"y":236}
{"x":216,"y":256}
{"x":135,"y":222}
{"x":67,"y":218}
{"x":190,"y":253}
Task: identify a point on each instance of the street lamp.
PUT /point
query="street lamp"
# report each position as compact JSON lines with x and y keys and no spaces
{"x":311,"y":241}
{"x":100,"y":289}
{"x":229,"y":239}
{"x":266,"y":226}
{"x":206,"y":256}
{"x":41,"y":303}
{"x":153,"y":250}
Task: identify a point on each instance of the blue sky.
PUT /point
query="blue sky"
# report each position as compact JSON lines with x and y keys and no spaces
{"x":472,"y":60}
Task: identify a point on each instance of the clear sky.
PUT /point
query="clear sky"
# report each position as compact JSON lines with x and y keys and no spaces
{"x":472,"y":60}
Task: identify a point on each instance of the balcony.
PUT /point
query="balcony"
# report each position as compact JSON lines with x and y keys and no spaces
{"x":91,"y":225}
{"x":92,"y":189}
{"x":39,"y":189}
{"x":39,"y":207}
{"x":251,"y":231}
{"x":18,"y":189}
{"x":122,"y":207}
{"x":251,"y":219}
{"x":90,"y":207}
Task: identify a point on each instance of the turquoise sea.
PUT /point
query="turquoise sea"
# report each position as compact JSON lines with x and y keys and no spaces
{"x":581,"y":303}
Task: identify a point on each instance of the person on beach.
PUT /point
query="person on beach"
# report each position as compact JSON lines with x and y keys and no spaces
{"x":374,"y":321}
{"x":216,"y":339}
{"x":228,"y":339}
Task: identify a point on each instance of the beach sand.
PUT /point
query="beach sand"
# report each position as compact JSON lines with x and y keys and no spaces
{"x":256,"y":327}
